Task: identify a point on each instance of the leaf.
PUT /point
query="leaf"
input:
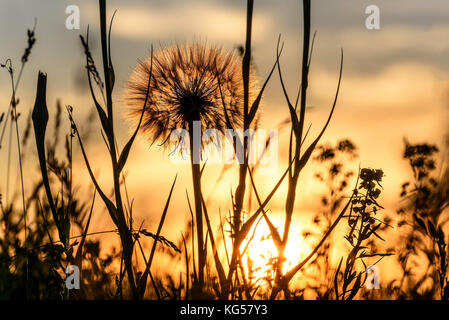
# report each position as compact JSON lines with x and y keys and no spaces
{"x":256,"y":103}
{"x":79,"y":252}
{"x":103,"y":119}
{"x":109,"y":204}
{"x":143,"y":279}
{"x":40,"y":120}
{"x":187,"y":266}
{"x":432,"y":230}
{"x":125,"y":152}
{"x":305,"y":157}
{"x":101,"y":113}
{"x":420,"y":222}
{"x":218,"y":264}
{"x":355,"y":288}
{"x":441,"y":236}
{"x":290,"y":274}
{"x":336,"y":279}
{"x":111,"y":67}
{"x":293,"y":115}
{"x":246,"y":227}
{"x":378,"y":236}
{"x":105,"y":54}
{"x":274,"y":232}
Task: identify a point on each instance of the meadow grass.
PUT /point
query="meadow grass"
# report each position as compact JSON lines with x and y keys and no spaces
{"x":35,"y":258}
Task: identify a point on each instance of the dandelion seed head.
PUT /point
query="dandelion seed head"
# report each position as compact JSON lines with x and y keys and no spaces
{"x":189,"y":82}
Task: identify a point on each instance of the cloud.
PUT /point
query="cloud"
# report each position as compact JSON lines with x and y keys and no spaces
{"x":184,"y":21}
{"x":397,"y":39}
{"x":367,"y":50}
{"x":403,"y":85}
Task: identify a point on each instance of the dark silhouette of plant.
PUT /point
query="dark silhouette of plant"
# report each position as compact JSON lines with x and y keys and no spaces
{"x":422,"y":215}
{"x":298,"y":157}
{"x":363,"y":225}
{"x":12,"y":111}
{"x":121,"y":218}
{"x":187,"y":83}
{"x":47,"y":256}
{"x":334,"y":172}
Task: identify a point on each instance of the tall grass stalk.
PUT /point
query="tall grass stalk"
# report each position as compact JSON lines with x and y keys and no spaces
{"x":118,"y":160}
{"x":296,"y":156}
{"x":14,"y":118}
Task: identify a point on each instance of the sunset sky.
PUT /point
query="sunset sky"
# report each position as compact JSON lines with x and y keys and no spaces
{"x":395,"y":83}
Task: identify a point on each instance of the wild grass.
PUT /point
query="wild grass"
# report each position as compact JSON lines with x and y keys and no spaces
{"x":214,"y":257}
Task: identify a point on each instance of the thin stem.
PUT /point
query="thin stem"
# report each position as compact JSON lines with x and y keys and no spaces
{"x":241,"y":187}
{"x":124,"y":231}
{"x":195,"y":152}
{"x":21,"y":180}
{"x":8,"y":174}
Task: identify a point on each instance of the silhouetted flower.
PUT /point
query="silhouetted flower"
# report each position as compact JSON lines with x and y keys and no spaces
{"x":190,"y":82}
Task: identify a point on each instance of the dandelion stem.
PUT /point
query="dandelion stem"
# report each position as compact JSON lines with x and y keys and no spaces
{"x":195,"y":152}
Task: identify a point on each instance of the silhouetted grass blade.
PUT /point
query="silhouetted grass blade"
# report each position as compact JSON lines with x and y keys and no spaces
{"x":40,"y":120}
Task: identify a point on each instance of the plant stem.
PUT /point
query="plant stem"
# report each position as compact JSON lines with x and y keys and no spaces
{"x":23,"y":191}
{"x":195,"y":156}
{"x":124,"y":231}
{"x":241,"y":187}
{"x":293,"y":177}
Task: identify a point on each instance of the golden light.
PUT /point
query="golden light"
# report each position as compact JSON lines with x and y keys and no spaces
{"x":260,"y":253}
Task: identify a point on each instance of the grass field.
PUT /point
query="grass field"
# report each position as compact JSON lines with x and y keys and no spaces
{"x":305,"y":217}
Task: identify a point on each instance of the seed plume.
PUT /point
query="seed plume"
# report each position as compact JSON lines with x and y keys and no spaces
{"x":190,"y":82}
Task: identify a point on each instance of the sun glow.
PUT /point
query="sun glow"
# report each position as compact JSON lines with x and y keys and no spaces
{"x":260,"y":254}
